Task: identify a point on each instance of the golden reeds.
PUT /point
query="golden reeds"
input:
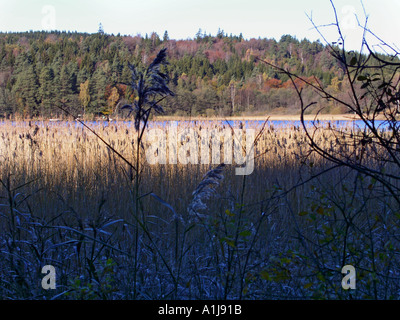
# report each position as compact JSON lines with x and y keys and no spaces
{"x":70,"y":161}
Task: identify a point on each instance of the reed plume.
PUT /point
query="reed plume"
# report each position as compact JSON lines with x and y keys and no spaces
{"x":205,"y":190}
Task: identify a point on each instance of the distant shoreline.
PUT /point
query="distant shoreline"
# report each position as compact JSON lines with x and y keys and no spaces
{"x":274,"y":117}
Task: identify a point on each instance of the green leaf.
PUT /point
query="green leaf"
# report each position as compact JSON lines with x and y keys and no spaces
{"x":353,"y":61}
{"x":229,"y":242}
{"x":228,"y":213}
{"x":265,"y":275}
{"x":245,"y":233}
{"x":321,"y":277}
{"x":286,"y":260}
{"x":303,"y":213}
{"x":362,"y":78}
{"x":328,"y":230}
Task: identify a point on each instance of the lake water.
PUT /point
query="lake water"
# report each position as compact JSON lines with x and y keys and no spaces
{"x":381,"y":124}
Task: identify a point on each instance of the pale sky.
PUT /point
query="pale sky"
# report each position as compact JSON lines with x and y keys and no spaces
{"x":183,"y":18}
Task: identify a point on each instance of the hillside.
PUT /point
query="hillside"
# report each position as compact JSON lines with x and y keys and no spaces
{"x":211,"y":75}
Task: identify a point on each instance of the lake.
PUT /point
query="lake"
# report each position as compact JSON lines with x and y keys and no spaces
{"x":357,"y":124}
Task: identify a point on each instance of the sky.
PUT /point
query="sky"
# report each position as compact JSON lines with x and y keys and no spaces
{"x":183,"y":18}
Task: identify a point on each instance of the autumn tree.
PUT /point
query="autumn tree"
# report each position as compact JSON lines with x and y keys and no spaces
{"x":112,"y":100}
{"x":84,"y":95}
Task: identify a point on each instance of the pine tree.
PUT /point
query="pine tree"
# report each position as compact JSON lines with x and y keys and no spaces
{"x":26,"y":89}
{"x":101,"y":29}
{"x":7,"y":101}
{"x":199,"y":35}
{"x":83,"y":75}
{"x":165,"y":37}
{"x":126,"y":74}
{"x":67,"y":82}
{"x":116,"y":70}
{"x":98,"y":87}
{"x":46,"y":91}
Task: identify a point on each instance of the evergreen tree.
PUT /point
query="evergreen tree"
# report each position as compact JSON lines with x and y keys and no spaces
{"x":7,"y":102}
{"x":126,"y":74}
{"x":82,"y":76}
{"x":67,"y":81}
{"x":46,"y":91}
{"x":98,"y":89}
{"x":116,"y":70}
{"x":26,"y":90}
{"x":165,"y":37}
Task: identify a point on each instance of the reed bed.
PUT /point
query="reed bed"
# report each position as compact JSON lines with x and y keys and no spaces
{"x":67,"y":200}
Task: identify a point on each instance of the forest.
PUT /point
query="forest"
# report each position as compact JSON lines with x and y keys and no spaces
{"x":217,"y":75}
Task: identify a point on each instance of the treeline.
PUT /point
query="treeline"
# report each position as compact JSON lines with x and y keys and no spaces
{"x":211,"y":75}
